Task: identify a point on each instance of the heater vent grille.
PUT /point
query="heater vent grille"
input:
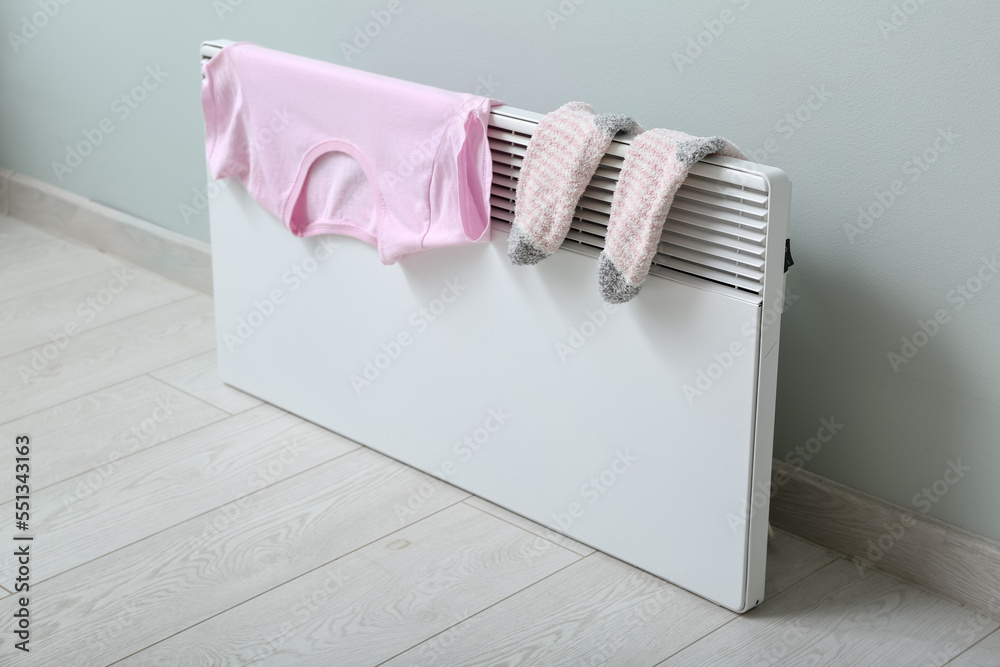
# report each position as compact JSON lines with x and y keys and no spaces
{"x":716,"y":229}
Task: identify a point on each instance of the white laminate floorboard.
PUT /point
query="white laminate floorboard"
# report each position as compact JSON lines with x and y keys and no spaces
{"x":378,"y":601}
{"x":199,"y":377}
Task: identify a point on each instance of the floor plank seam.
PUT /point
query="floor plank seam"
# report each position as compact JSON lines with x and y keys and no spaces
{"x":53,"y":286}
{"x":208,"y":511}
{"x":178,"y":362}
{"x":819,"y":546}
{"x":138,"y":451}
{"x":116,"y":382}
{"x":200,"y":400}
{"x":287,"y":581}
{"x":109,"y":322}
{"x":834,"y":557}
{"x":692,"y":643}
{"x":86,"y":246}
{"x":57,"y":235}
{"x":737,"y":616}
{"x":919,"y":587}
{"x":972,"y":646}
{"x":525,"y":529}
{"x":488,"y":607}
{"x":347,"y":438}
{"x":37,"y":242}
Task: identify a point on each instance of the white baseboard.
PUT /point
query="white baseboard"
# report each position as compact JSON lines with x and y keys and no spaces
{"x":940,"y":558}
{"x":175,"y":256}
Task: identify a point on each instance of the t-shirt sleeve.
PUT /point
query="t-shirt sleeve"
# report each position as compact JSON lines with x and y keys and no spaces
{"x":226,"y":129}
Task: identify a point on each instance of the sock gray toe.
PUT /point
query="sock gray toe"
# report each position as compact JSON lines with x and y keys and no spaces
{"x":613,"y":123}
{"x":689,"y":152}
{"x":614,"y":287}
{"x":521,"y":249}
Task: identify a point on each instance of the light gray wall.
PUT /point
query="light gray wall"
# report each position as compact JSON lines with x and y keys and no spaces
{"x":890,"y":93}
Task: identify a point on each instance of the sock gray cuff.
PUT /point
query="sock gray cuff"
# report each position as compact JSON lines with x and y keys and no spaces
{"x":689,"y":152}
{"x":613,"y":123}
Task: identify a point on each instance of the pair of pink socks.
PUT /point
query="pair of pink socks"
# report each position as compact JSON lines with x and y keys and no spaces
{"x":562,"y":157}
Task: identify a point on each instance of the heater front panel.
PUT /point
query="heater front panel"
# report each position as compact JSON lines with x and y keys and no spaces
{"x":631,"y":431}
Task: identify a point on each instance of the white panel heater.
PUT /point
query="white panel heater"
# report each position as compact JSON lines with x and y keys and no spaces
{"x":642,"y":432}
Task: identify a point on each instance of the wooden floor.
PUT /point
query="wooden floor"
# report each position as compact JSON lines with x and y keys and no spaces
{"x":178,"y":521}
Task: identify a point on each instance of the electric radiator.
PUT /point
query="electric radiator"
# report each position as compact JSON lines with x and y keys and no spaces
{"x":644,"y":431}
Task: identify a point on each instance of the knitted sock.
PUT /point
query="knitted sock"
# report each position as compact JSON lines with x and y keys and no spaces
{"x":562,"y":157}
{"x":654,"y":168}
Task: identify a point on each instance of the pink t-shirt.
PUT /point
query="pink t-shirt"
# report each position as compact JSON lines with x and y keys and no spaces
{"x":334,"y":150}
